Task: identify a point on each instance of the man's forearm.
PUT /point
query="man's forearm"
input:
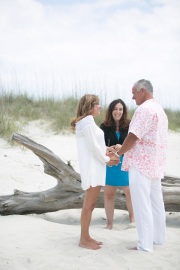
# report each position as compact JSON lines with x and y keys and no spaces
{"x":128,"y":143}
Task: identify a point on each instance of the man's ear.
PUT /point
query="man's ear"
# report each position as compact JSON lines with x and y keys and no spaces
{"x":143,"y":90}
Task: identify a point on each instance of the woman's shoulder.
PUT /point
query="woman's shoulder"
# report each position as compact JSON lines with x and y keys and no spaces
{"x":85,"y":121}
{"x":88,"y":120}
{"x":103,"y":126}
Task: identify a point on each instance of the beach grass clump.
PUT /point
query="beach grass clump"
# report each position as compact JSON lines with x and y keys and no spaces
{"x":173,"y":120}
{"x":16,"y":110}
{"x":130,"y":113}
{"x":61,"y":113}
{"x":8,"y":126}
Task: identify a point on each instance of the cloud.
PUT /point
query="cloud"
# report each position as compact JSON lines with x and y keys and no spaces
{"x":117,"y":40}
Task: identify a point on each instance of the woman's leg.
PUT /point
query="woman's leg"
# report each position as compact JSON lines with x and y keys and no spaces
{"x":109,"y":194}
{"x":126,"y":191}
{"x":88,"y":206}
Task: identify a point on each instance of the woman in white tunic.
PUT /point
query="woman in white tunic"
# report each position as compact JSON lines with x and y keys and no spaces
{"x":92,"y":158}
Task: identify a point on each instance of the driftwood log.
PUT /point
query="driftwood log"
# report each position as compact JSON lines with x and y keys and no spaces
{"x":67,"y":194}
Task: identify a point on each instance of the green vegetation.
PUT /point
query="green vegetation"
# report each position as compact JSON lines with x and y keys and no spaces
{"x":173,"y":119}
{"x":17,"y":110}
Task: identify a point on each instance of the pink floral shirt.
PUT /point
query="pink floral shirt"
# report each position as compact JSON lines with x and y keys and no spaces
{"x":148,"y":154}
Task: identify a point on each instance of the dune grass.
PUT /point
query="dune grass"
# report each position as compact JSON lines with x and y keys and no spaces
{"x":17,"y":110}
{"x":173,"y":119}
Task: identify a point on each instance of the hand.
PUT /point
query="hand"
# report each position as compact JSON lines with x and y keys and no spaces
{"x":109,"y":154}
{"x":112,"y":156}
{"x":117,"y":147}
{"x":113,"y":162}
{"x":111,"y":149}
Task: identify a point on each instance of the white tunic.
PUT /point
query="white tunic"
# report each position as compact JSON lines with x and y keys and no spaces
{"x":91,"y":153}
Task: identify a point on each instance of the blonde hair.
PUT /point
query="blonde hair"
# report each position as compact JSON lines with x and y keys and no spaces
{"x":84,"y":108}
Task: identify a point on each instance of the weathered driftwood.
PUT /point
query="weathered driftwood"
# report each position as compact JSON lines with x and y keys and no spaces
{"x":67,"y":194}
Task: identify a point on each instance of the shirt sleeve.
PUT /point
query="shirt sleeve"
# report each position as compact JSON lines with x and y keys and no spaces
{"x":93,"y":144}
{"x":141,"y":122}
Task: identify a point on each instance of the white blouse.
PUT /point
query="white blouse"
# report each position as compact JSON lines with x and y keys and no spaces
{"x":91,"y":153}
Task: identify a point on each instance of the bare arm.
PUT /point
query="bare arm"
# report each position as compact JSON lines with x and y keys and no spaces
{"x":128,"y":143}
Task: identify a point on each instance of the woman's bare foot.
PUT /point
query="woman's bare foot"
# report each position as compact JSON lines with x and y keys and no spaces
{"x":109,"y":227}
{"x":89,"y":245}
{"x":95,"y":242}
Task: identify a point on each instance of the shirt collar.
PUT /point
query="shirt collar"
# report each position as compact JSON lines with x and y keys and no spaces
{"x":149,"y":100}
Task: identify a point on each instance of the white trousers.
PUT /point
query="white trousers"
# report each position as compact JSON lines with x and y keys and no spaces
{"x":148,"y":207}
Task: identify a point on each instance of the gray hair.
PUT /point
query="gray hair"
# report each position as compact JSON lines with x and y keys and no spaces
{"x":144,"y":84}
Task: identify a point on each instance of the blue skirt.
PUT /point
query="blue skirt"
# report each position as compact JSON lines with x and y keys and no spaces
{"x":116,"y":177}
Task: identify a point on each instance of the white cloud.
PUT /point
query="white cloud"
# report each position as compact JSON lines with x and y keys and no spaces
{"x":117,"y":40}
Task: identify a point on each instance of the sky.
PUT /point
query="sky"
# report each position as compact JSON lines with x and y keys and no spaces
{"x":100,"y":46}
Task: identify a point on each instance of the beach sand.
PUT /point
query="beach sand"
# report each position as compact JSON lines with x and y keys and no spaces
{"x":50,"y":241}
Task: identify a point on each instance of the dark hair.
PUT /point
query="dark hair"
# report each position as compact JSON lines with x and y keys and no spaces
{"x":109,"y":121}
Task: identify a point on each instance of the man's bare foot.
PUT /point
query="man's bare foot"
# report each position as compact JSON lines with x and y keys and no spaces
{"x":95,"y":242}
{"x":132,"y":248}
{"x":109,"y":227}
{"x":89,"y":245}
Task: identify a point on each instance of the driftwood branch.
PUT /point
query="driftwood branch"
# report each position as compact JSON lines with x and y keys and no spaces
{"x":67,"y":194}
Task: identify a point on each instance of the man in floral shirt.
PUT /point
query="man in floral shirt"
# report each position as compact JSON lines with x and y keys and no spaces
{"x":145,"y":150}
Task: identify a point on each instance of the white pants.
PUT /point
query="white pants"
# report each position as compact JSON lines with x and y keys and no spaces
{"x":148,"y":207}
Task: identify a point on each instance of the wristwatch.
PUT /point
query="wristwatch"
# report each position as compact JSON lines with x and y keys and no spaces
{"x":116,"y":153}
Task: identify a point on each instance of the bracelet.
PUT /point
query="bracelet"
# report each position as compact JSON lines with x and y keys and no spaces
{"x":116,"y":153}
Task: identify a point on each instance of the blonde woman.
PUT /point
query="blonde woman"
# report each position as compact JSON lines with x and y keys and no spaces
{"x":92,"y":158}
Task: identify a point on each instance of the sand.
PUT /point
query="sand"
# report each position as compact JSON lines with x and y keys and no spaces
{"x":50,"y":241}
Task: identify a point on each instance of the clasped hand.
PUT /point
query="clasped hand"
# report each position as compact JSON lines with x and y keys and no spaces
{"x":114,"y":160}
{"x":116,"y":147}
